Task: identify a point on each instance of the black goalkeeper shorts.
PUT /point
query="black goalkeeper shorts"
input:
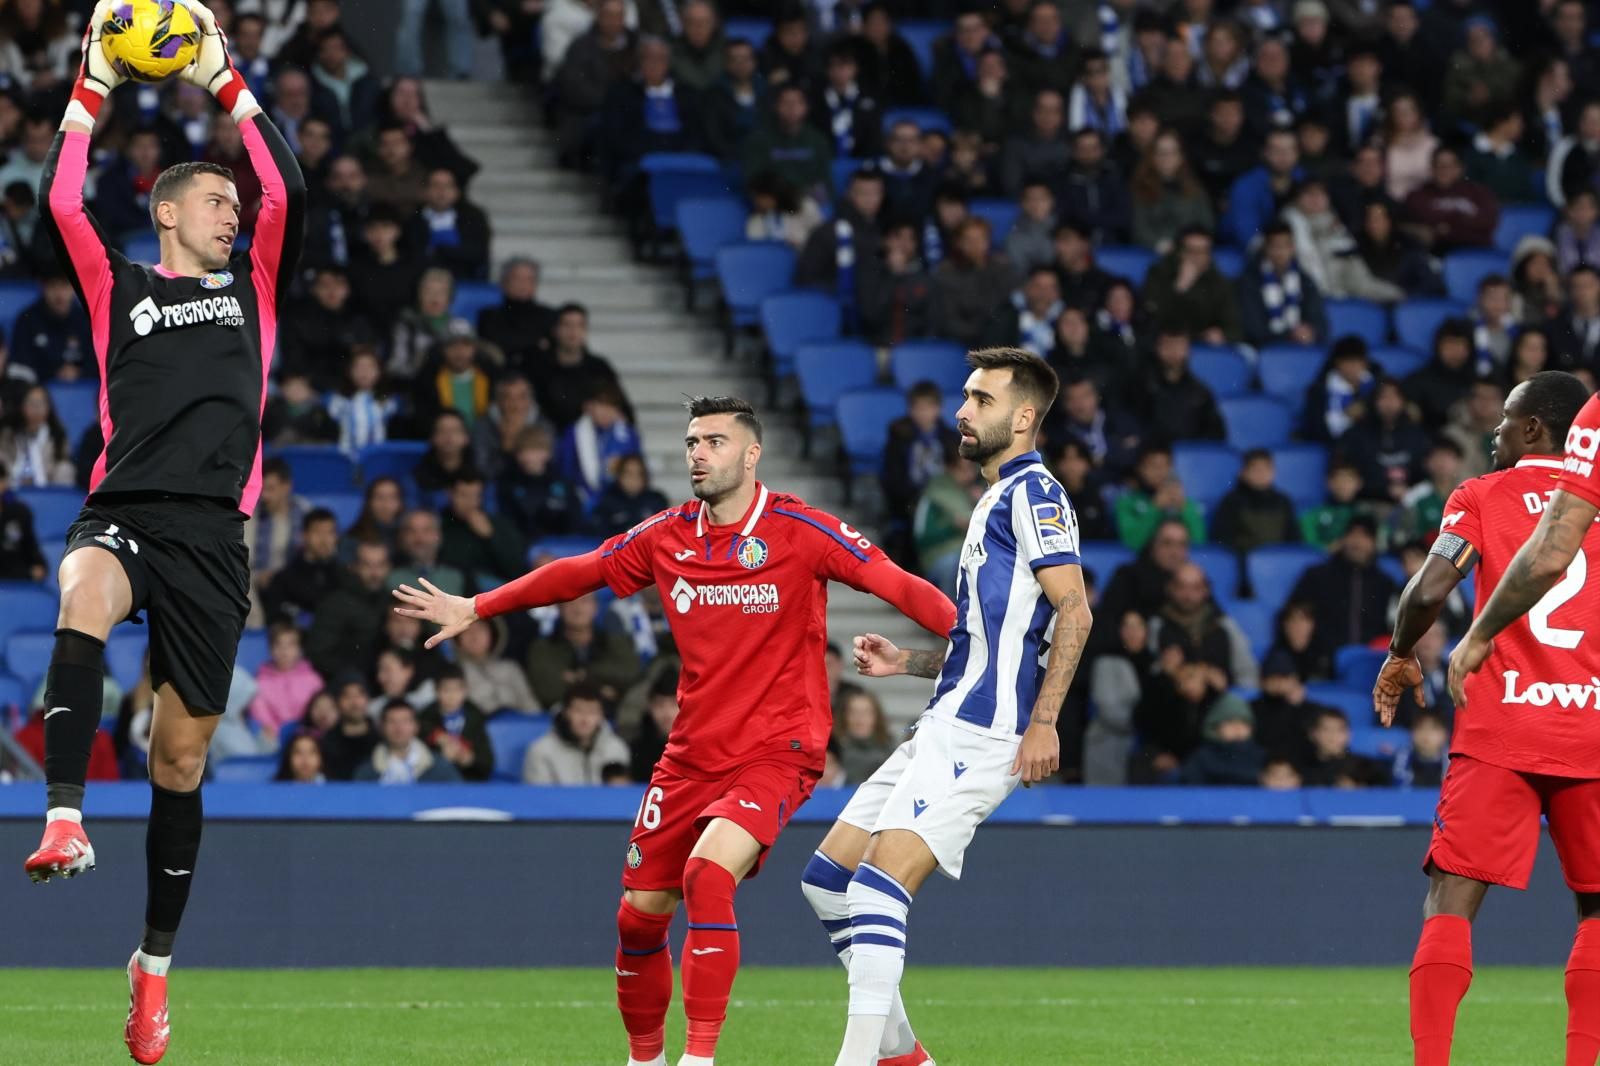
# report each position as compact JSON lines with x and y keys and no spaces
{"x":186,"y":561}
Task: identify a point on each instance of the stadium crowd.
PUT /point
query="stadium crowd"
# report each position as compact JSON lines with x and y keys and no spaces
{"x":1372,"y":209}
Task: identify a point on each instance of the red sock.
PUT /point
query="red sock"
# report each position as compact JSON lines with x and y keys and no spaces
{"x":710,"y":954}
{"x":1441,"y":970}
{"x":644,"y":979}
{"x":1583,"y":996}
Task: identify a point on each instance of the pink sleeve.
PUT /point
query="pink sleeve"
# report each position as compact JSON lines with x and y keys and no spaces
{"x":280,"y":225}
{"x":79,"y":241}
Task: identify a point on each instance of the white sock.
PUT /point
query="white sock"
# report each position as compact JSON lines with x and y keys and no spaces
{"x":695,"y":1060}
{"x":67,"y":814}
{"x":659,"y":1060}
{"x":878,"y":907}
{"x":154,"y":965}
{"x":824,"y":884}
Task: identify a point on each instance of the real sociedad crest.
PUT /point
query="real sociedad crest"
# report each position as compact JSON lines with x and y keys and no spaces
{"x":752,"y":553}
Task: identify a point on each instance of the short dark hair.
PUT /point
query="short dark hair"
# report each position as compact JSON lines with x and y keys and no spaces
{"x":467,"y":475}
{"x":396,"y":704}
{"x":277,"y":466}
{"x":449,"y":672}
{"x":583,"y":690}
{"x":1489,"y":281}
{"x":572,"y":308}
{"x":742,"y":412}
{"x":1554,"y":397}
{"x":175,"y":181}
{"x":924,"y":390}
{"x":1255,"y":455}
{"x":1031,"y":377}
{"x":318,"y":514}
{"x":1445,"y":444}
{"x":1276,"y":228}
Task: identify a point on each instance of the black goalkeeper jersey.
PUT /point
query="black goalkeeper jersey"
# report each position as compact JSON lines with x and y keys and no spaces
{"x":183,"y":361}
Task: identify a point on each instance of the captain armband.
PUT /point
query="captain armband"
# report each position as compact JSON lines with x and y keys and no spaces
{"x":1457,"y":550}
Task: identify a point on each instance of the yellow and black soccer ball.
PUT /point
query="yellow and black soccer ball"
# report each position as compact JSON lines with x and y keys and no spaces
{"x":149,"y":40}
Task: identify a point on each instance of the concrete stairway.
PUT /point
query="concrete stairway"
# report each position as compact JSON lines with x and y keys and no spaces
{"x":661,"y":351}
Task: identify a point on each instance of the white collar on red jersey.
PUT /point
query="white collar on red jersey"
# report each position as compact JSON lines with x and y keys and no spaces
{"x":750,"y":524}
{"x":1534,"y":460}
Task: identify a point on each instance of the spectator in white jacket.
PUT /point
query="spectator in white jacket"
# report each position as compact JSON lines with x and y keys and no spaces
{"x":1326,"y":250}
{"x":579,"y":746}
{"x":565,"y":21}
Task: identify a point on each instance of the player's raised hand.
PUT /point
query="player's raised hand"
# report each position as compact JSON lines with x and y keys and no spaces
{"x":1466,"y":659}
{"x":452,"y":614}
{"x":211,"y":59}
{"x":97,"y":69}
{"x":877,"y":656}
{"x":1396,"y":676}
{"x":1039,"y":754}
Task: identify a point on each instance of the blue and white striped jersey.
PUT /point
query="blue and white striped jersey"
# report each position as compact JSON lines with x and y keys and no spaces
{"x":996,"y":657}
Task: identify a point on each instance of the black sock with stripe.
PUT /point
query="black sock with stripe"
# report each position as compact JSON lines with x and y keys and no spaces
{"x":72,"y":701}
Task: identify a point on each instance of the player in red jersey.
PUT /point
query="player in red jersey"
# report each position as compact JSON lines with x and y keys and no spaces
{"x":744,"y":573}
{"x":1527,"y":738}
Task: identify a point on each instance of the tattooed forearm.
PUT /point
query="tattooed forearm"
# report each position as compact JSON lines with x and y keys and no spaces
{"x":924,"y":663}
{"x":1071,"y":633}
{"x":1538,"y":564}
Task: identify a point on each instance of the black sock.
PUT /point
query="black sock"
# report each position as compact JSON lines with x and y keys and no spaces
{"x":75,"y":681}
{"x":171,"y":846}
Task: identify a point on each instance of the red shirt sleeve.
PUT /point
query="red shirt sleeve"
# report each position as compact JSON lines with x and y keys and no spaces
{"x":625,"y":558}
{"x":1461,"y":516}
{"x":1579,"y":473}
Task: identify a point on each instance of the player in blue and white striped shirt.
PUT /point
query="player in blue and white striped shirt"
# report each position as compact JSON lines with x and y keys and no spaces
{"x":991,"y":724}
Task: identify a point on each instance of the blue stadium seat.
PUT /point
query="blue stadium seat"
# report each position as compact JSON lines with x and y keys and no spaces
{"x":921,"y":34}
{"x":1464,"y":270}
{"x":942,"y":362}
{"x":1355,"y":702}
{"x":1357,"y":665}
{"x":1001,"y":216}
{"x":245,"y":770}
{"x":1367,"y":320}
{"x":54,"y":509}
{"x":1230,"y":261}
{"x":15,"y":296}
{"x":1257,"y":421}
{"x":511,"y":732}
{"x":346,"y":506}
{"x":254,"y":649}
{"x":1225,"y":371}
{"x":318,"y":468}
{"x":1301,"y":473}
{"x":706,"y":223}
{"x":125,"y":654}
{"x":754,"y":30}
{"x":1129,"y":262}
{"x":1376,"y":742}
{"x":863,"y":418}
{"x":749,"y":272}
{"x":12,"y":694}
{"x":77,"y":404}
{"x":1416,"y":321}
{"x":471,"y":297}
{"x":28,"y":656}
{"x":1522,"y":220}
{"x":1256,"y":620}
{"x":926,"y":118}
{"x":828,"y":370}
{"x":563,"y":547}
{"x":952,"y":404}
{"x":1206,"y":469}
{"x":669,"y":188}
{"x":790,"y":319}
{"x":1398,"y":362}
{"x":146,"y":248}
{"x":1103,"y":558}
{"x":27,"y":605}
{"x":1273,"y":571}
{"x":395,"y":458}
{"x":842,"y":170}
{"x":1396,"y":571}
{"x":679,"y":163}
{"x":1221,"y":566}
{"x":1288,"y":370}
{"x":53,"y":549}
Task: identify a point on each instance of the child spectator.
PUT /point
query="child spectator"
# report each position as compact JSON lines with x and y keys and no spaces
{"x":533,"y":495}
{"x":1322,"y":526}
{"x":579,"y":745}
{"x":20,"y":557}
{"x":1423,"y":764}
{"x":301,"y":762}
{"x":1154,"y":496}
{"x":1340,"y":394}
{"x":862,"y":733}
{"x":402,"y":758}
{"x":456,"y":728}
{"x":1279,"y":775}
{"x":1254,"y":513}
{"x":594,"y":445}
{"x":1279,"y":303}
{"x":285,"y":684}
{"x":1031,"y":241}
{"x":1332,"y":764}
{"x":778,"y":213}
{"x":296,"y":415}
{"x":628,"y":500}
{"x":322,"y":714}
{"x":1229,"y":754}
{"x":363,"y":407}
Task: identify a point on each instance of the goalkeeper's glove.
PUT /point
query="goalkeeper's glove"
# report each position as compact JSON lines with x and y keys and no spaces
{"x":96,"y":76}
{"x":213,"y":68}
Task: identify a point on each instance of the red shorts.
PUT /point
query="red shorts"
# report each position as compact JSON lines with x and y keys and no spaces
{"x":1486,"y":826}
{"x":759,"y":798}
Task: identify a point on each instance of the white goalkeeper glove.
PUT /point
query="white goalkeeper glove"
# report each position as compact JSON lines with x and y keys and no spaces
{"x":96,"y":76}
{"x":213,"y":68}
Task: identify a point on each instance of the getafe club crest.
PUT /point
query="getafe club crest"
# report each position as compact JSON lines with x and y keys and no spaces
{"x":217,"y":279}
{"x":635,"y":856}
{"x":752,"y":552}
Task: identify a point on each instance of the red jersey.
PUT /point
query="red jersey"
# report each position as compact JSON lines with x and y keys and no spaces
{"x":1534,"y":705}
{"x":748,"y":607}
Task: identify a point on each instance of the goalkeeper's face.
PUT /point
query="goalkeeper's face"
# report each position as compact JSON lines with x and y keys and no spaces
{"x":721,"y":455}
{"x":207,"y":219}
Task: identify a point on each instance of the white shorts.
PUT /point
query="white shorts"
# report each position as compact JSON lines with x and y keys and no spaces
{"x":941,"y":784}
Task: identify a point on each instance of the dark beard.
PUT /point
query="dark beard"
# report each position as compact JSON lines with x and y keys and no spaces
{"x":983,"y":448}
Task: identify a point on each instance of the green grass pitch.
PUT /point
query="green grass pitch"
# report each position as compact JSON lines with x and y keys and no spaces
{"x":784,"y":1017}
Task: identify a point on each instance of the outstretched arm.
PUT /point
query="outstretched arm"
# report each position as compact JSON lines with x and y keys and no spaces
{"x":877,"y":656}
{"x":910,"y":595}
{"x":1538,"y":564}
{"x":554,"y":582}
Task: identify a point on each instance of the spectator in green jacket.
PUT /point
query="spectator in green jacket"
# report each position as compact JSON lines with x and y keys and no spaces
{"x":1422,"y":507}
{"x":581,"y":650}
{"x":789,"y":146}
{"x":1155,"y":495}
{"x":1323,"y":526}
{"x":476,"y":542}
{"x":1185,"y":292}
{"x":1254,"y":513}
{"x":1497,"y":161}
